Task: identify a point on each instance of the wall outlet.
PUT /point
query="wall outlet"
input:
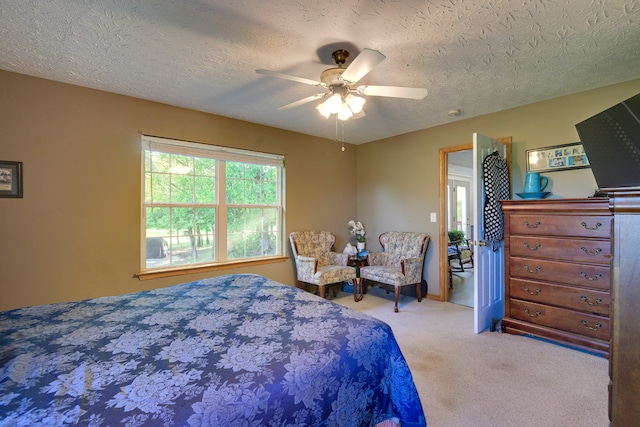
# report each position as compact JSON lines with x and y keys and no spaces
{"x":433,"y":217}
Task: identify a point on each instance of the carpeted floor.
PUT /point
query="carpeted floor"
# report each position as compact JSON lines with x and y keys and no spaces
{"x":491,"y":379}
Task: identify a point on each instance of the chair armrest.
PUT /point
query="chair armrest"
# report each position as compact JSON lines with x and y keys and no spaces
{"x":306,"y":267}
{"x":412,"y":269}
{"x":378,"y":258}
{"x":337,"y":258}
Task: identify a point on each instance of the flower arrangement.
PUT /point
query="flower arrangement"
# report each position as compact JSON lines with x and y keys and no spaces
{"x":356,"y":229}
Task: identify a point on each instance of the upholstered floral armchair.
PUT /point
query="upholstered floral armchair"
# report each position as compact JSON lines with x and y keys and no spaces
{"x":401,"y":262}
{"x":316,"y":263}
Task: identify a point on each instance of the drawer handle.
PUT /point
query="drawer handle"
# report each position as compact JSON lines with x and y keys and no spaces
{"x":527,"y":269}
{"x":593,"y":278}
{"x":536,"y":292}
{"x":596,"y":302}
{"x":536,"y":314}
{"x":584,"y":224}
{"x":532,"y":226}
{"x":592,"y":253}
{"x":535,"y":248}
{"x":591,"y":328}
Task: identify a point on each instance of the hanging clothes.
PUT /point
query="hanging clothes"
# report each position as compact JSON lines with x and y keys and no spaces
{"x":496,"y":188}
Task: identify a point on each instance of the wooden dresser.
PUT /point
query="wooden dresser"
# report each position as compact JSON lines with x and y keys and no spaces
{"x":558,"y":256}
{"x":624,"y":363}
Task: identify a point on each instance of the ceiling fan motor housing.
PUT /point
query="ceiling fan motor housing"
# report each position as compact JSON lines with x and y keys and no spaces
{"x":332,"y":76}
{"x":340,"y":56}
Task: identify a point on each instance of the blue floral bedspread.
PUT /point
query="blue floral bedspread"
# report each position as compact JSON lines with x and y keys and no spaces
{"x":237,"y":350}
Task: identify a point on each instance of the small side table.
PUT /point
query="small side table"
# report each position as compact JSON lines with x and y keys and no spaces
{"x":358,"y":289}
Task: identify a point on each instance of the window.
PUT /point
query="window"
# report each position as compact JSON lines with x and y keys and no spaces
{"x":204,"y":204}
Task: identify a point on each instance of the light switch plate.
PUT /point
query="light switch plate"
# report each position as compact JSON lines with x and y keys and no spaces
{"x":433,"y":217}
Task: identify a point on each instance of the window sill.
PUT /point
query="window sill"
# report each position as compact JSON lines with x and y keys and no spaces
{"x":181,"y":271}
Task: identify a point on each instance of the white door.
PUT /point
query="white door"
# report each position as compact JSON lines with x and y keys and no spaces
{"x":488,"y":273}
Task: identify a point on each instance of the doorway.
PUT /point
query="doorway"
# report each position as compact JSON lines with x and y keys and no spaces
{"x":444,"y":204}
{"x":460,"y":218}
{"x":488,"y":265}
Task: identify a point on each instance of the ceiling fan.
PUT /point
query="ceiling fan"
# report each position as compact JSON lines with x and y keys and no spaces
{"x":341,"y":97}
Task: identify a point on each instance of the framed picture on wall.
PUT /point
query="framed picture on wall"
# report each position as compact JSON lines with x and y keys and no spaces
{"x":10,"y":179}
{"x":556,"y":158}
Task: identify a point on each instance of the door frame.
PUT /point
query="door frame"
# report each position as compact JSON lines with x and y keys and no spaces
{"x":443,"y":177}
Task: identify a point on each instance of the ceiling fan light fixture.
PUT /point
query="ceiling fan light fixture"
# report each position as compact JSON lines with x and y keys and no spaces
{"x":355,"y":103}
{"x":345,"y":113}
{"x":324,"y":110}
{"x":344,"y":106}
{"x":334,"y":103}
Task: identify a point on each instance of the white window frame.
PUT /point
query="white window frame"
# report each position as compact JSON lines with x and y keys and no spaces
{"x":221,"y":155}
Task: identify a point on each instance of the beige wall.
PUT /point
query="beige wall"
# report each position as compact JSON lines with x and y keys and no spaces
{"x":76,"y":232}
{"x":398,"y":177}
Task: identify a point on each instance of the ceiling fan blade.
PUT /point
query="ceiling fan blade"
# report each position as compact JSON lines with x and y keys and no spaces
{"x":393,"y":91}
{"x":362,"y":64}
{"x":302,"y":101}
{"x":289,"y":77}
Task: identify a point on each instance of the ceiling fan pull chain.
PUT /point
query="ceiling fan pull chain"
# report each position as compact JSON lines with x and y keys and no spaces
{"x":342,"y":148}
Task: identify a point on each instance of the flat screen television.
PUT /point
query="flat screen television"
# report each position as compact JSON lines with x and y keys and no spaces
{"x":611,"y":140}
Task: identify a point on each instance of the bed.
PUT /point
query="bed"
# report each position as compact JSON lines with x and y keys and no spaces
{"x":232,"y":350}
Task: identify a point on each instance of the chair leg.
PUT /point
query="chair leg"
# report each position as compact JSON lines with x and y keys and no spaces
{"x":358,"y":294}
{"x":419,"y":291}
{"x":460,"y":267}
{"x":397,"y":292}
{"x":322,"y":290}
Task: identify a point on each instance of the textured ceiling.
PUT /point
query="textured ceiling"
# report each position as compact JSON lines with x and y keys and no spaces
{"x":476,"y":56}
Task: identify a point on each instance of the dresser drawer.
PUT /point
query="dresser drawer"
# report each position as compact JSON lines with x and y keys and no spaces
{"x":585,"y":324}
{"x":581,"y":299}
{"x":561,"y":225}
{"x":578,"y":250}
{"x":584,"y":275}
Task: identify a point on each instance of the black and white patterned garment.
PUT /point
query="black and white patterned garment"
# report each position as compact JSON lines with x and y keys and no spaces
{"x":496,"y":188}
